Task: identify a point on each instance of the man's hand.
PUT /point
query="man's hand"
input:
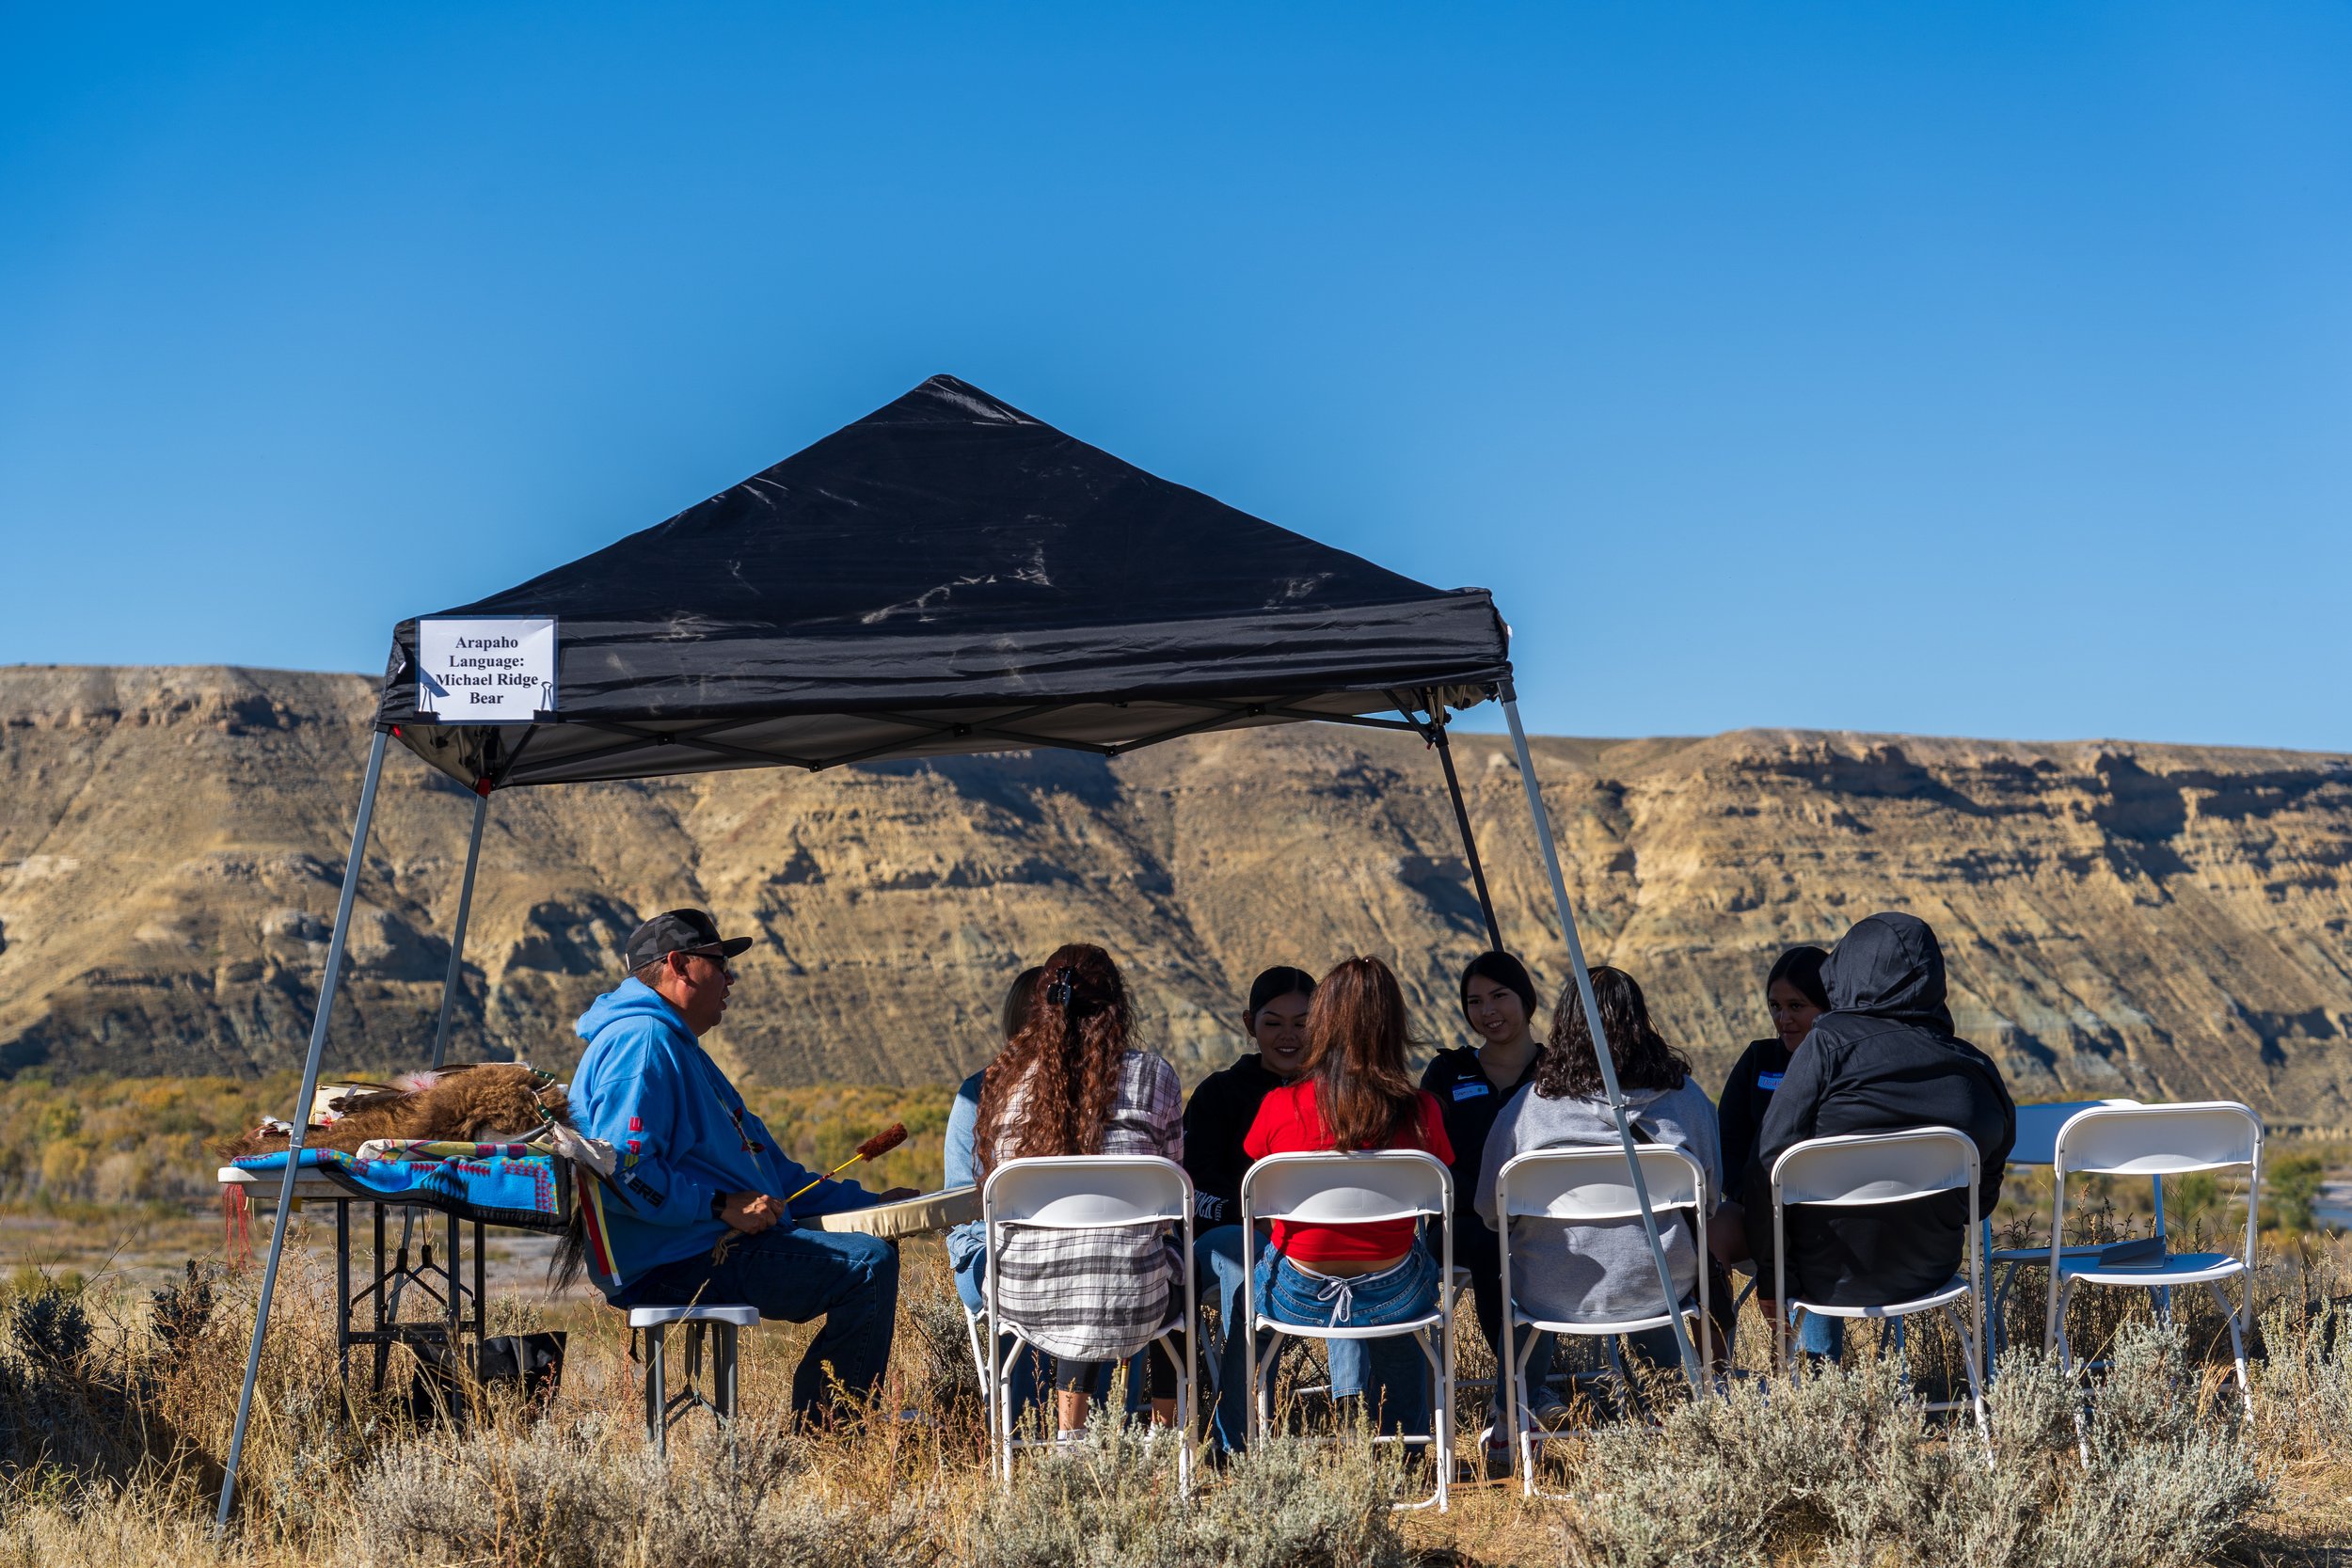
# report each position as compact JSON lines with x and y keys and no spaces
{"x":896,"y":1195}
{"x":751,"y":1213}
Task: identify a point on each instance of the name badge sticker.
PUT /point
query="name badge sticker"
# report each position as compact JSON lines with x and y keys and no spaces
{"x":1769,"y":1081}
{"x":1470,"y":1090}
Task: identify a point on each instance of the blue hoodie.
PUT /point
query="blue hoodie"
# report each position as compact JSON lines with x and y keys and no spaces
{"x":648,"y":1087}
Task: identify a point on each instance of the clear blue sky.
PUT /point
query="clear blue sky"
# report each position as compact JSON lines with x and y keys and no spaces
{"x":1979,"y":370}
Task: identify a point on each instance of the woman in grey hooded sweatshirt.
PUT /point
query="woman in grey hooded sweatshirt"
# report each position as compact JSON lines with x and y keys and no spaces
{"x":1603,"y":1272}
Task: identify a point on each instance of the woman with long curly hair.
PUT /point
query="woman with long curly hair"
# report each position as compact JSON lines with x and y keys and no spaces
{"x":1603,"y":1272}
{"x":1356,"y":1093}
{"x":1073,"y":1080}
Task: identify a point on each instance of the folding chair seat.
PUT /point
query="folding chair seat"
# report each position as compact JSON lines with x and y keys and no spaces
{"x":1089,"y":1192}
{"x":1859,"y":1170}
{"x":2156,"y":1141}
{"x":722,"y":1323}
{"x":1357,"y":1189}
{"x":1583,"y":1186}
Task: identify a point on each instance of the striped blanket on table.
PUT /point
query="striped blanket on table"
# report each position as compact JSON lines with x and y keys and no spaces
{"x":509,"y":1184}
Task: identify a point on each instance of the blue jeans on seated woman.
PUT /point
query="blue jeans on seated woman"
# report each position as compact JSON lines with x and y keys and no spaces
{"x":1823,"y":1338}
{"x":1216,"y":1265}
{"x":1398,"y":1374}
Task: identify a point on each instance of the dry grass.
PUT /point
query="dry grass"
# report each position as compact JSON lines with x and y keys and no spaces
{"x":113,"y":1418}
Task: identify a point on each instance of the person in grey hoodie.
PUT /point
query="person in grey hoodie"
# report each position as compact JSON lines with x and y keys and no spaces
{"x":1603,"y":1272}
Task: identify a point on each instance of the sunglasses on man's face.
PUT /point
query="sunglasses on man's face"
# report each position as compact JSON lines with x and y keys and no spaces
{"x":715,"y":960}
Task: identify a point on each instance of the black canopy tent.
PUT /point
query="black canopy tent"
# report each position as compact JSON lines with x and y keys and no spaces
{"x":949,"y":574}
{"x":946,"y":575}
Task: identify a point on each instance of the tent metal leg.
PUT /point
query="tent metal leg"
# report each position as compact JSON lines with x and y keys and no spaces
{"x":1469,"y":844}
{"x":449,"y":991}
{"x":457,"y":939}
{"x":1583,"y":982}
{"x":301,"y":1117}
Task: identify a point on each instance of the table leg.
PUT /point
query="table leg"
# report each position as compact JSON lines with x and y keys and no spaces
{"x":383,"y":1349}
{"x":453,"y":1263}
{"x":343,"y":1294}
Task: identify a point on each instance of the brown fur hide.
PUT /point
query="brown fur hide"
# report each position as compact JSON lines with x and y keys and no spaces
{"x":487,"y":1102}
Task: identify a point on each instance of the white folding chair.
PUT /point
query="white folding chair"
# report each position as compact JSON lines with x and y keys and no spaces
{"x":1088,"y":1192}
{"x":2036,"y":1145}
{"x":1584,"y":1186}
{"x":1357,"y":1189}
{"x":1862,"y":1169}
{"x":979,"y":1353}
{"x":1461,"y":1291}
{"x":2156,"y":1141}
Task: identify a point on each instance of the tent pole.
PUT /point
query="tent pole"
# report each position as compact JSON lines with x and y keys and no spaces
{"x":1577,"y":969}
{"x":1461,"y":820}
{"x":457,"y":939}
{"x":301,"y":1118}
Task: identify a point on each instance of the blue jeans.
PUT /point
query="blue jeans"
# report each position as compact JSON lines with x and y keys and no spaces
{"x":1029,"y":1371}
{"x":1399,"y":1374}
{"x":1825,"y":1336}
{"x":972,"y":1289}
{"x":1217,"y":1267}
{"x":792,"y":1274}
{"x":1822,"y":1336}
{"x":1658,"y":1349}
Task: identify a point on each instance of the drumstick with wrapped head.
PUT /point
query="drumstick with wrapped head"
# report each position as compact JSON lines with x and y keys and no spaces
{"x":874,"y":1147}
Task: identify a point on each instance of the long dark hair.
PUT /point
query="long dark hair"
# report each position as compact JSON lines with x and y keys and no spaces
{"x":1017,"y":995}
{"x":1801,"y":967}
{"x":1569,"y":1069}
{"x":1505,"y":971}
{"x":1272,"y":985}
{"x":1356,"y":1041}
{"x":1063,"y":1062}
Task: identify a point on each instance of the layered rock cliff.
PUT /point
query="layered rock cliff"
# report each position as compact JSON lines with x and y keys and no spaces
{"x":2166,"y":920}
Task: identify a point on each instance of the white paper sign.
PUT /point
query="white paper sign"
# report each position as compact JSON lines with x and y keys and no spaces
{"x":486,"y":671}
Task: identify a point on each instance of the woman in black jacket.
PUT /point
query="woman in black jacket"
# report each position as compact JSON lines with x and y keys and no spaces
{"x":1471,"y":1085}
{"x":1217,"y":1118}
{"x":1794,"y":993}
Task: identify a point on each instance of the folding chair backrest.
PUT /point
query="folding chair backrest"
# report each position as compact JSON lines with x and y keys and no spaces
{"x":2158,"y":1140}
{"x":1589,"y":1185}
{"x":1084,"y":1192}
{"x":2038,"y":1128}
{"x":1347,"y":1189}
{"x":1875,"y":1168}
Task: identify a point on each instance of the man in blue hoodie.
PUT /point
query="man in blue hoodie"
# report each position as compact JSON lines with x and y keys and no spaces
{"x":704,"y":1206}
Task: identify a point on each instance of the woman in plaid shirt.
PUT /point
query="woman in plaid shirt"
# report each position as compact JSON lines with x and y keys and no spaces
{"x":1071,"y":1081}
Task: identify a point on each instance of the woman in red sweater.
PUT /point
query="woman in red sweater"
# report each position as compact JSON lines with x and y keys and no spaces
{"x":1356,"y":1093}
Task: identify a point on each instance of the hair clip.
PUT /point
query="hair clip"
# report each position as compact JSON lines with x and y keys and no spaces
{"x":1063,"y":988}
